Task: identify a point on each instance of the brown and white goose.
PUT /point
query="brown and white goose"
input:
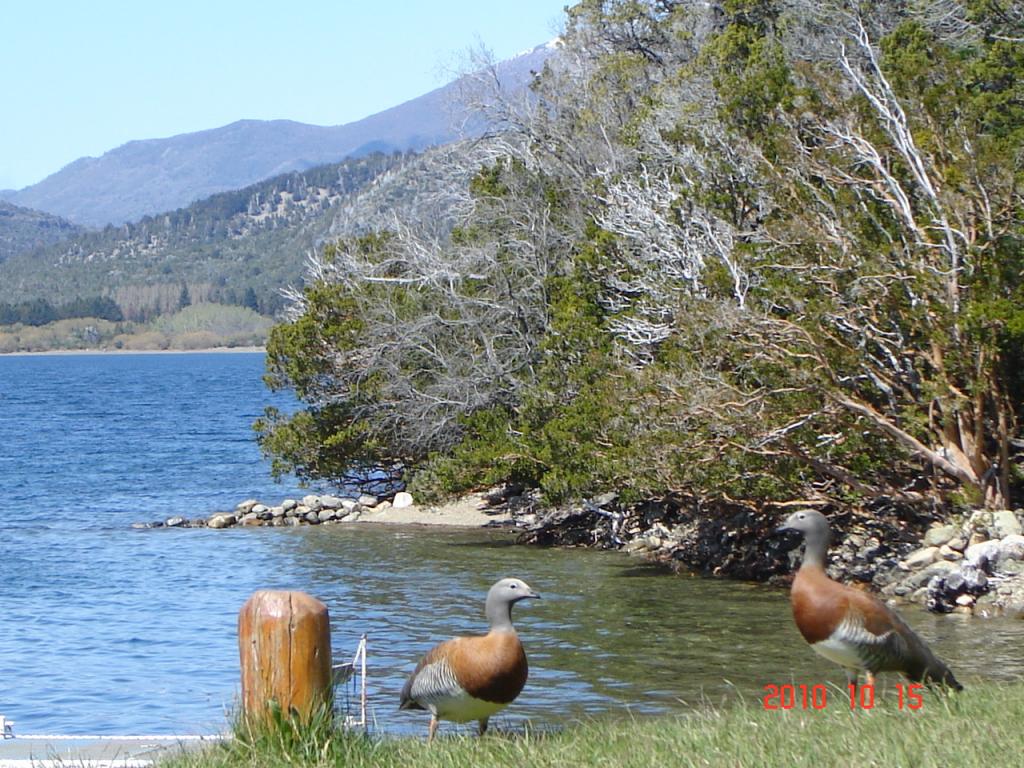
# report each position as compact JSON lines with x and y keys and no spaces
{"x":472,"y":678}
{"x":850,"y":627}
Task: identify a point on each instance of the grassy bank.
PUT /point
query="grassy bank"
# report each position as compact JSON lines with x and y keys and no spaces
{"x":980,"y":727}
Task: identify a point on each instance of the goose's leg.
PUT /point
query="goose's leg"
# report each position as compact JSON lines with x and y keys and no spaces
{"x":433,"y":728}
{"x":483,"y":725}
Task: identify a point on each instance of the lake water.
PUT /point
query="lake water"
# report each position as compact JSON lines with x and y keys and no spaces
{"x":105,"y":629}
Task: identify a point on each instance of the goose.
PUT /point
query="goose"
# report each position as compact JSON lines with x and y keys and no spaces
{"x":849,"y":627}
{"x":472,"y":678}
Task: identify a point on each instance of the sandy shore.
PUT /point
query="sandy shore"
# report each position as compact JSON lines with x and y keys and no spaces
{"x":466,"y":512}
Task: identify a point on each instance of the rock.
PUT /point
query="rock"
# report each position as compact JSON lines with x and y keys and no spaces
{"x":246,"y":506}
{"x":353,"y":516}
{"x":383,"y":506}
{"x":980,"y":522}
{"x":924,"y":576}
{"x":954,"y":582}
{"x":975,"y":579}
{"x":277,"y":512}
{"x":288,"y":504}
{"x":330,"y":502}
{"x":250,"y":519}
{"x":366,"y":500}
{"x":946,"y":552}
{"x":300,"y":511}
{"x":1011,"y":567}
{"x":260,"y":509}
{"x":311,"y":502}
{"x":326,"y":515}
{"x":959,"y":543}
{"x":221,"y":520}
{"x":921,"y":558}
{"x":1005,"y":523}
{"x":349,"y":504}
{"x":983,"y":554}
{"x":175,"y":522}
{"x":140,"y":526}
{"x":939,"y":535}
{"x":1011,"y":548}
{"x":313,"y":517}
{"x":293,"y":520}
{"x":402,"y":500}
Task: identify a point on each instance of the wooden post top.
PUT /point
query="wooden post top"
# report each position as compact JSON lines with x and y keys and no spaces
{"x":284,"y":643}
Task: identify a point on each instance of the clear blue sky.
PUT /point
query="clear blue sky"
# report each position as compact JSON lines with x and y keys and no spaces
{"x":80,"y":78}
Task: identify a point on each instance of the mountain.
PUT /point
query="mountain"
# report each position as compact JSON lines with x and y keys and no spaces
{"x":245,"y":246}
{"x":250,"y":241}
{"x":155,"y":175}
{"x":23,"y":229}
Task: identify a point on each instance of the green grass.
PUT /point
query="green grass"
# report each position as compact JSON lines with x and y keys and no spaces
{"x":979,"y":727}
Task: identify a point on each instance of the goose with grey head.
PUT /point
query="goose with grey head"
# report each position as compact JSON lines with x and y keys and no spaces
{"x":850,"y":627}
{"x":472,"y":678}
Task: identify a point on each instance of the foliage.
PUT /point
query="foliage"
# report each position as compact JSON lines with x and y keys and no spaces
{"x":753,"y":250}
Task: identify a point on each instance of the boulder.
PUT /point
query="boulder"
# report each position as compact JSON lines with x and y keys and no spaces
{"x":939,"y":535}
{"x":221,"y":520}
{"x":921,"y":557}
{"x":349,"y":504}
{"x":175,"y":522}
{"x":366,"y":500}
{"x":260,"y":509}
{"x":326,"y":515}
{"x":313,"y":517}
{"x":982,"y":555}
{"x":330,"y":502}
{"x":959,"y":543}
{"x":288,"y":504}
{"x":312,"y":502}
{"x":1011,"y":548}
{"x":402,"y":500}
{"x":246,"y":506}
{"x":946,"y":552}
{"x":1005,"y":523}
{"x":277,"y":512}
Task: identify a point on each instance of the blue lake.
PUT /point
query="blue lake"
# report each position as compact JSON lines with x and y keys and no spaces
{"x":105,"y":629}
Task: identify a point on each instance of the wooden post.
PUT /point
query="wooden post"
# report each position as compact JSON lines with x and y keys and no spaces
{"x":284,"y":640}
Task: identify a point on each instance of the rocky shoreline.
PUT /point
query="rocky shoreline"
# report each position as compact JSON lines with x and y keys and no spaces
{"x":973,"y":564}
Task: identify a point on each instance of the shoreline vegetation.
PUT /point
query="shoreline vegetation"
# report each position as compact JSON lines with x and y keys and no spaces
{"x":193,"y":328}
{"x":978,"y":727}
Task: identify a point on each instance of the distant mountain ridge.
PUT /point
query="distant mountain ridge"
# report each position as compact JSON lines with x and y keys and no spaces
{"x":155,"y":175}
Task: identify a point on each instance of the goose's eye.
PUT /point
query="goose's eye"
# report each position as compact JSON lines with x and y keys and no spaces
{"x":512,"y":586}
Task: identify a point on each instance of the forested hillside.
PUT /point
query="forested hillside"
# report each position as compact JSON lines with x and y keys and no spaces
{"x":238,"y":247}
{"x":22,"y":229}
{"x":754,"y":251}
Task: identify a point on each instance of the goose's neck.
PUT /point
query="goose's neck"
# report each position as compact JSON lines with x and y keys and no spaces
{"x":499,"y":615}
{"x":815,"y":549}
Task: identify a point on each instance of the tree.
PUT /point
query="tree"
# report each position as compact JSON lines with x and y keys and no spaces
{"x":754,"y":250}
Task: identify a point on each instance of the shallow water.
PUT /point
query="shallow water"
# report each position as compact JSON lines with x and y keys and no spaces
{"x":105,"y":629}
